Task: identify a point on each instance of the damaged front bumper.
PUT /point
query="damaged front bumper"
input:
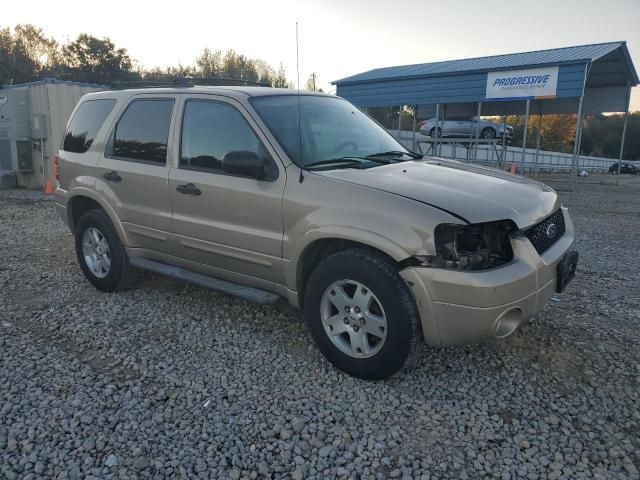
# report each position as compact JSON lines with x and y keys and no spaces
{"x":462,"y":307}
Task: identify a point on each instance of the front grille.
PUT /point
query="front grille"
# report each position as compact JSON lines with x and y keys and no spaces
{"x":539,"y":233}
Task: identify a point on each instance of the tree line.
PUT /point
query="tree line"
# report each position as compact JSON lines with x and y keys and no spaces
{"x":601,"y":135}
{"x":28,"y":54}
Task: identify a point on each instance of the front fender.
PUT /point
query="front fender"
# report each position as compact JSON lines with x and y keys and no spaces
{"x":323,"y":208}
{"x":292,"y":269}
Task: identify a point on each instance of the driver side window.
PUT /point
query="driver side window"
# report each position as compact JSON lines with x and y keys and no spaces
{"x":211,"y":131}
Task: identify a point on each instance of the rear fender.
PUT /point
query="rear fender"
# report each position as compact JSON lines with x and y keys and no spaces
{"x":104,"y":204}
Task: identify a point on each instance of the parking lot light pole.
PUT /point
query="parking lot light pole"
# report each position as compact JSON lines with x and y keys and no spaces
{"x":624,"y":134}
{"x":400,"y":123}
{"x":524,"y":136}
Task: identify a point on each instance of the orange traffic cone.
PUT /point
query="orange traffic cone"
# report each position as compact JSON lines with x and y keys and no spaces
{"x":512,"y":170}
{"x":48,"y":188}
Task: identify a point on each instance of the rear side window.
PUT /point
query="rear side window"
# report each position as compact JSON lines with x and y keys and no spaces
{"x":211,"y":130}
{"x":85,"y":124}
{"x":143,"y":130}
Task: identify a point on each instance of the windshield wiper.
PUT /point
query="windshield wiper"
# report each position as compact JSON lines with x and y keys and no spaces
{"x":414,"y":155}
{"x":344,"y":161}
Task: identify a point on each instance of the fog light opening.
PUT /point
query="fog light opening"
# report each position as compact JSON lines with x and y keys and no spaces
{"x":508,"y":322}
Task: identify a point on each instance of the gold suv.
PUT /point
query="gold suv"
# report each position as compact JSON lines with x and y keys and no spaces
{"x":265,"y":193}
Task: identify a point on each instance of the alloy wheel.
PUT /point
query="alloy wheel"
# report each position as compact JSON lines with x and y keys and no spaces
{"x":95,"y":250}
{"x":353,"y":318}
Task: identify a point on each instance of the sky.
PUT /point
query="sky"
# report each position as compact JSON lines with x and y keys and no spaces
{"x":337,"y":38}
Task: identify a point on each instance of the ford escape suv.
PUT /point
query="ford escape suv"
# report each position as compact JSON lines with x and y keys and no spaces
{"x":266,"y":194}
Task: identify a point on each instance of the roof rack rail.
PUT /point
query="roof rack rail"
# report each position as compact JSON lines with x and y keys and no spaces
{"x":186,"y":82}
{"x":225,"y":81}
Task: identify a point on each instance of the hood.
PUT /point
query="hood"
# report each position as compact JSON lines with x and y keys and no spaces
{"x":471,"y":192}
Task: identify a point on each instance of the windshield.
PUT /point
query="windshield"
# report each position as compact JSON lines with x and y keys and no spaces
{"x":331,"y":127}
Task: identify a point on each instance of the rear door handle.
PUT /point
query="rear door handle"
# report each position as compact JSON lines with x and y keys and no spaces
{"x":112,"y":176}
{"x":188,"y":189}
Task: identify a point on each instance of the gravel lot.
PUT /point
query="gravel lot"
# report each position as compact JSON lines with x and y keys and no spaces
{"x":172,"y":380}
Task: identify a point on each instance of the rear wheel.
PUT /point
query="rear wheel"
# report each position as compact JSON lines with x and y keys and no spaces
{"x":100,"y":253}
{"x":361,"y":314}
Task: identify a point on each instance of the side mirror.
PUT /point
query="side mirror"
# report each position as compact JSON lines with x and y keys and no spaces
{"x":244,"y":163}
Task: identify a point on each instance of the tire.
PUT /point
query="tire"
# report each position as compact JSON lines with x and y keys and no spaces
{"x":488,"y":132}
{"x":432,"y":132}
{"x":376,"y":274}
{"x":120,"y":274}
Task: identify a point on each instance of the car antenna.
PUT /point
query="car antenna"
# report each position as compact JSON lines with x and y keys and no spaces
{"x":301,"y":179}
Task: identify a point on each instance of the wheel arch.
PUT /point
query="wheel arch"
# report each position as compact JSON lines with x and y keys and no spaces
{"x":80,"y":204}
{"x":323,"y":246}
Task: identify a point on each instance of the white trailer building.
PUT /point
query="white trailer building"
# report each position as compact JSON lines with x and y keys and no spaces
{"x":33,"y":118}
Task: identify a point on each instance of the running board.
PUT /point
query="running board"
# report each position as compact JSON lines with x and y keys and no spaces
{"x":250,"y":294}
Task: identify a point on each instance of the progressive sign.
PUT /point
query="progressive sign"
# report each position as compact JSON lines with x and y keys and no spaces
{"x":529,"y":83}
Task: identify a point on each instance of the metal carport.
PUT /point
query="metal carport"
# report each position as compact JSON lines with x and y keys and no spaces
{"x":588,"y":79}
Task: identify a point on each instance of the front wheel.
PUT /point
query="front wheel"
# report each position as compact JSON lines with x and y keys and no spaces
{"x":361,"y":314}
{"x":100,"y":253}
{"x":432,"y":132}
{"x":488,"y":133}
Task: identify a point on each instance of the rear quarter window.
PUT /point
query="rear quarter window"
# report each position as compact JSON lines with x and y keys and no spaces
{"x":85,"y":123}
{"x":143,"y":130}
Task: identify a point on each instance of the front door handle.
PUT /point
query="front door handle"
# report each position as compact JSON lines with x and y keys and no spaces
{"x":188,"y":189}
{"x":112,"y":176}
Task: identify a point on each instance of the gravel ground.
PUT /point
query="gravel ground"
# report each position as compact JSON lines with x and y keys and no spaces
{"x":171,"y":380}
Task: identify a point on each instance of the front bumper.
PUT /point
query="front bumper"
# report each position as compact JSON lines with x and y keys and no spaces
{"x":459,"y":307}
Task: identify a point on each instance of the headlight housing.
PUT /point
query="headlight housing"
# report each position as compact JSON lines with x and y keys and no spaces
{"x":471,"y":247}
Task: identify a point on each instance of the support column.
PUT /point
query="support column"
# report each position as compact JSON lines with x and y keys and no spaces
{"x":442,"y":114}
{"x":413,"y":138}
{"x":477,"y":132}
{"x":435,"y":139}
{"x":580,"y":145}
{"x":624,"y":134}
{"x":502,"y":161}
{"x":524,"y":136}
{"x":538,"y":135}
{"x":576,"y":144}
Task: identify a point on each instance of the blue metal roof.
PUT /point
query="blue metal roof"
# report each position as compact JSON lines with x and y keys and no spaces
{"x":555,"y":56}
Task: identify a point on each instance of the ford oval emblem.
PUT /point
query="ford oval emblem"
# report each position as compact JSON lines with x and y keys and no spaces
{"x":552,"y":230}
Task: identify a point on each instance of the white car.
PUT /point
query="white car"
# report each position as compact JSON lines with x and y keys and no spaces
{"x":465,"y":127}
